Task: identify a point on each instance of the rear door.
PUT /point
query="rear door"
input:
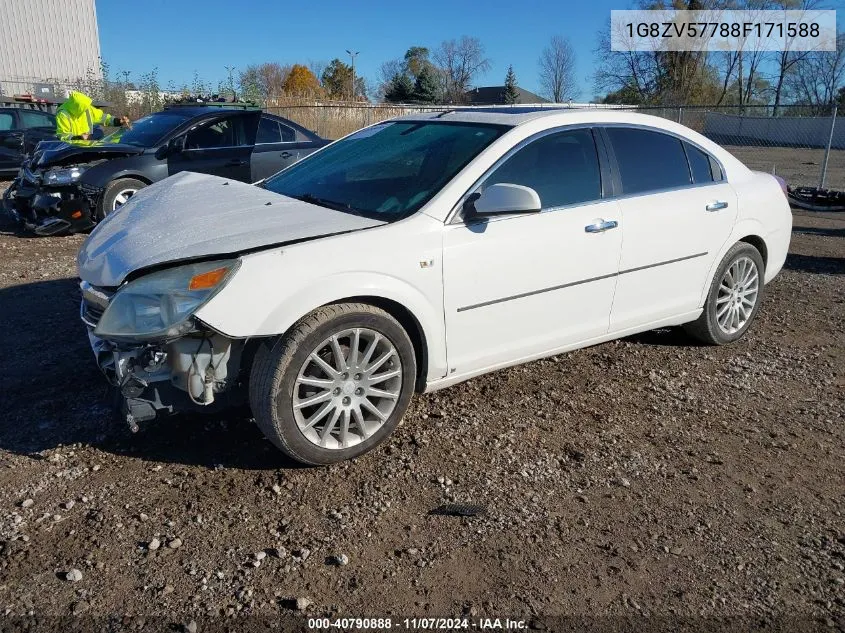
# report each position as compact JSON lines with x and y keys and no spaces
{"x":276,"y":147}
{"x":220,"y":146}
{"x":677,"y":212}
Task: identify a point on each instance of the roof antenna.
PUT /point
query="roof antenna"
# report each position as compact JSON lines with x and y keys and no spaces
{"x":444,"y":113}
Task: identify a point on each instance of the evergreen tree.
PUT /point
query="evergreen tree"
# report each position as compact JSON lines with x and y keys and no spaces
{"x":401,"y":89}
{"x":426,"y":87}
{"x":511,"y":94}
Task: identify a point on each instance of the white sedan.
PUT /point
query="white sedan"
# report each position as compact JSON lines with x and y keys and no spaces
{"x":418,"y":253}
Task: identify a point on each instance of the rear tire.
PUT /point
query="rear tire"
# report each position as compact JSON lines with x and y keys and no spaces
{"x":291,"y":371}
{"x":733,"y":299}
{"x":118,"y":192}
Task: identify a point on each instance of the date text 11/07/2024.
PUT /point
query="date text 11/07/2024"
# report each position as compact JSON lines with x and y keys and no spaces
{"x":419,"y":624}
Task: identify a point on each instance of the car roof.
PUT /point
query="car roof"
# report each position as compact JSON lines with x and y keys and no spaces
{"x":199,"y":110}
{"x":514,"y":116}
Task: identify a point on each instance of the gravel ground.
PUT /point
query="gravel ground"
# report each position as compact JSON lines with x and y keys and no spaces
{"x":644,"y":478}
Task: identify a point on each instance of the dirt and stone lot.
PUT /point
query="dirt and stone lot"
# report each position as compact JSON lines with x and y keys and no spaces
{"x":650,"y":479}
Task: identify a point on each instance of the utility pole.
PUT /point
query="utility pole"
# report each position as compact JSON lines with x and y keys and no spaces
{"x":231,"y":70}
{"x":353,"y":54}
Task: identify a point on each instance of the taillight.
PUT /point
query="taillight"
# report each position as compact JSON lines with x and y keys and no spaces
{"x":782,"y":184}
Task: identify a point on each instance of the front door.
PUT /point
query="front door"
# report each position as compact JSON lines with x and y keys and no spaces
{"x":677,"y":213}
{"x":523,"y":285}
{"x":218,"y":146}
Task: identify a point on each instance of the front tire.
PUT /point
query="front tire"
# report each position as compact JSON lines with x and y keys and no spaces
{"x":734,"y":297}
{"x":118,"y":193}
{"x":336,"y":385}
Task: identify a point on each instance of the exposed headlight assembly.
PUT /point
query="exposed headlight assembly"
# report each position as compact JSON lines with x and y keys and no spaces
{"x":60,"y":176}
{"x":159,"y":305}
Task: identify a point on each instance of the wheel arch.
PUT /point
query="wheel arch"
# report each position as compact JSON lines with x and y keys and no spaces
{"x":760,"y":244}
{"x":748,"y":231}
{"x":129,"y":174}
{"x":409,"y":323}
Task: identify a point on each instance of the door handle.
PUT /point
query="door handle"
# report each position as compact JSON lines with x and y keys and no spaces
{"x":716,"y":206}
{"x":601,"y":226}
{"x":286,"y":155}
{"x":236,"y":162}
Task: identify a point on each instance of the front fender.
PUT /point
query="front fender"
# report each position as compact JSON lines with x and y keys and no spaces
{"x":261,"y":301}
{"x":144,"y":167}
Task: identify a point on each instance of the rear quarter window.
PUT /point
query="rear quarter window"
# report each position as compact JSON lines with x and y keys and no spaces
{"x":700,"y":164}
{"x":648,"y":160}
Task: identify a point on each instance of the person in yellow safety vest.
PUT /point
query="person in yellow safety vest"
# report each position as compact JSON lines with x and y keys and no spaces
{"x":76,"y":118}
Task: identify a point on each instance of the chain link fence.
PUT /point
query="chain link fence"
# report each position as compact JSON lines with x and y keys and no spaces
{"x":803,"y":145}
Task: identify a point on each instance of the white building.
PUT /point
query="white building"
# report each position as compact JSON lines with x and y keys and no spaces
{"x":44,"y":40}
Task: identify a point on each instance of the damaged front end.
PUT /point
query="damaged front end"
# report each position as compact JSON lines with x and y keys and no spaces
{"x":49,"y":195}
{"x":148,"y":344}
{"x":52,"y":201}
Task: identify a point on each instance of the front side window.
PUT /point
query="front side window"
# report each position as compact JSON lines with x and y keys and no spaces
{"x":563,"y":169}
{"x":648,"y":160}
{"x":6,"y":121}
{"x":213,"y":134}
{"x":386,"y":171}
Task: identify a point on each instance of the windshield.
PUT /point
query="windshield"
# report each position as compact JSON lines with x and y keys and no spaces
{"x":147,"y":131}
{"x":387,"y":171}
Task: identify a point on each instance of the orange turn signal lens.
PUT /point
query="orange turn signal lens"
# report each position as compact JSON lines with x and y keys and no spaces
{"x":205,"y":281}
{"x":76,"y":215}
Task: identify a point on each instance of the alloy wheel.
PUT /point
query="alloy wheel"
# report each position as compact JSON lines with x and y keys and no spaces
{"x":739,"y":290}
{"x":122,"y":198}
{"x":347,"y":388}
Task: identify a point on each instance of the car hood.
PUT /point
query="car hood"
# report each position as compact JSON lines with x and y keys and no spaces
{"x":56,"y":153}
{"x":190,"y":216}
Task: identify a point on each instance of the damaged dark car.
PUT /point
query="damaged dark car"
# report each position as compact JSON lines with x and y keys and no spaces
{"x":69,"y":187}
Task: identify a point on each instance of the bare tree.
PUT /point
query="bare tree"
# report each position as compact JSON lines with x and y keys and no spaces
{"x":786,"y":59}
{"x":387,"y":72}
{"x":557,"y":69}
{"x":461,"y":61}
{"x":818,"y":75}
{"x":631,"y":75}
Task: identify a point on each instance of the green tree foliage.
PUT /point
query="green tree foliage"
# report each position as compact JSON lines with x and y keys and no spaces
{"x":400,"y":89}
{"x":337,"y":80}
{"x":417,"y":61}
{"x":426,"y":87}
{"x":511,"y":93}
{"x":415,"y":69}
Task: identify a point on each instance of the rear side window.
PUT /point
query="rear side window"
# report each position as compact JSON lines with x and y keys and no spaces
{"x":699,"y":164}
{"x":288,"y":135}
{"x":562,"y":168}
{"x":648,"y":160}
{"x":6,"y":121}
{"x":268,"y":131}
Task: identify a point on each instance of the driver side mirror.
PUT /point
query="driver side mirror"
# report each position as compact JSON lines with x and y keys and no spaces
{"x":502,"y":199}
{"x":174,"y":146}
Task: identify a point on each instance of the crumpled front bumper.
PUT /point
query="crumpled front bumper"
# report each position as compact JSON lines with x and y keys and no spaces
{"x":49,"y":210}
{"x":199,"y":371}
